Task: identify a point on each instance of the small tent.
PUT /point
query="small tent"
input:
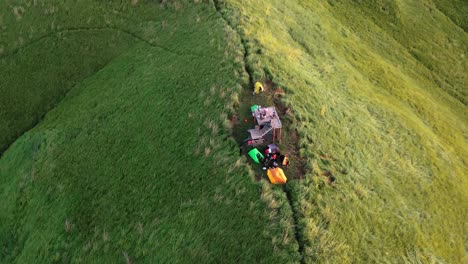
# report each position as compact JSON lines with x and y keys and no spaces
{"x":253,"y":108}
{"x":276,"y":176}
{"x":256,"y":155}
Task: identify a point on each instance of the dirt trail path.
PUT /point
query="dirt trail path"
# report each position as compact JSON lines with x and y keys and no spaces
{"x":289,"y":143}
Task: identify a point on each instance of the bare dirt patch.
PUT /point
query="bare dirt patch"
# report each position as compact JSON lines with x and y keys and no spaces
{"x":272,"y":96}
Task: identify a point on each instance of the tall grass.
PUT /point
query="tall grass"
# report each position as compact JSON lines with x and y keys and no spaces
{"x":135,"y":164}
{"x":46,"y":49}
{"x":379,"y":100}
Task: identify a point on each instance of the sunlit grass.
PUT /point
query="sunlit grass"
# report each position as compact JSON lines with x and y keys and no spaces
{"x":136,"y":162}
{"x":378,"y":94}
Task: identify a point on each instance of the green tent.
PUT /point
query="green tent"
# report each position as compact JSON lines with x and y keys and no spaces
{"x":256,"y":155}
{"x":254,"y":107}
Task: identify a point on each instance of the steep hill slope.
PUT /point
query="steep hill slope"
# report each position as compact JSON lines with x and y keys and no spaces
{"x":135,"y":163}
{"x":378,"y":96}
{"x":116,"y":145}
{"x":47,"y":48}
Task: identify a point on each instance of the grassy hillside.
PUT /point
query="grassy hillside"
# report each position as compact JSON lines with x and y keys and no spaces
{"x":378,"y":97}
{"x":43,"y":58}
{"x":115,"y":131}
{"x":134,"y":162}
{"x":455,"y":10}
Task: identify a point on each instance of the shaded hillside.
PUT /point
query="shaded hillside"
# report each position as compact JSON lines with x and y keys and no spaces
{"x":134,"y":163}
{"x":456,"y":10}
{"x":42,"y":60}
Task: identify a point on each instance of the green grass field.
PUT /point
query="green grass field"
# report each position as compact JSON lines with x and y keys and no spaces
{"x":135,"y":161}
{"x":378,"y":94}
{"x":117,"y":141}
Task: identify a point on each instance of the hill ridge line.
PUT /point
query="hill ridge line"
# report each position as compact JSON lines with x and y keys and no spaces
{"x":80,"y":29}
{"x":40,"y":119}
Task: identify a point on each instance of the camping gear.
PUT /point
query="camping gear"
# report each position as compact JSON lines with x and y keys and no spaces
{"x":255,"y":142}
{"x":276,"y":176}
{"x":256,"y":155}
{"x":258,"y":132}
{"x":273,"y":148}
{"x":284,"y":161}
{"x":273,"y":157}
{"x":267,"y":116}
{"x":253,"y":108}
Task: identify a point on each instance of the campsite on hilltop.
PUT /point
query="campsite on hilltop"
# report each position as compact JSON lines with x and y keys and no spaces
{"x":233,"y":131}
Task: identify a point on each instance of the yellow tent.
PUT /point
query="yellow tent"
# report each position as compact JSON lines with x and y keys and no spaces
{"x":276,"y":176}
{"x":258,"y":88}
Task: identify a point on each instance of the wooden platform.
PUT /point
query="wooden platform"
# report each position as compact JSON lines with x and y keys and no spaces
{"x":267,"y":116}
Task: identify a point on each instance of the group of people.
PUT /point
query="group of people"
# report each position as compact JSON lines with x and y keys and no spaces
{"x":273,"y":158}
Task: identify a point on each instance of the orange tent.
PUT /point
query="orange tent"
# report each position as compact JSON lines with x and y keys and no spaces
{"x":276,"y":176}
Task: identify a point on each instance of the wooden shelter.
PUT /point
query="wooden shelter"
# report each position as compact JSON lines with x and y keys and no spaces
{"x":268,"y":121}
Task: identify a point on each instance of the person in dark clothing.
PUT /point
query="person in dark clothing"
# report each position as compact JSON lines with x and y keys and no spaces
{"x":281,"y":158}
{"x":273,"y":157}
{"x":267,"y":152}
{"x":241,"y":148}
